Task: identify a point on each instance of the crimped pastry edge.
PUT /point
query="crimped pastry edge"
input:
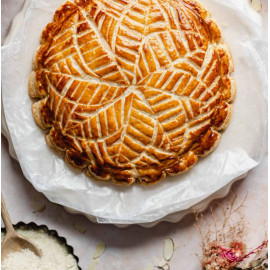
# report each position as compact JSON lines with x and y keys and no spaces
{"x":206,"y":15}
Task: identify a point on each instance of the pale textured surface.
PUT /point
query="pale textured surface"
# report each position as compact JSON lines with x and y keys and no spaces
{"x":8,"y":10}
{"x":23,"y":260}
{"x":54,"y":255}
{"x":134,"y":246}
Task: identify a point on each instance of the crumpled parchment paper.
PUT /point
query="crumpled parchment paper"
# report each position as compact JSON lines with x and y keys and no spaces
{"x":240,"y":148}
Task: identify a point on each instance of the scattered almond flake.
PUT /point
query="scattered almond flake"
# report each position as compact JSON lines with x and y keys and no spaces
{"x":159,"y":262}
{"x":93,"y":265}
{"x":79,"y":228}
{"x":100,"y":248}
{"x":148,"y":267}
{"x":256,"y":4}
{"x":166,"y":267}
{"x":168,"y":249}
{"x":38,"y":206}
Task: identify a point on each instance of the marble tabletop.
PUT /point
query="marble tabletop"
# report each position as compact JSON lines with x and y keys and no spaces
{"x":133,"y":247}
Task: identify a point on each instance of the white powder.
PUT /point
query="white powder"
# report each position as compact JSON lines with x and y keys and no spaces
{"x":54,"y":255}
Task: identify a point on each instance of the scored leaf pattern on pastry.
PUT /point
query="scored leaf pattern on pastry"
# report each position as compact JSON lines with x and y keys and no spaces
{"x":132,"y":89}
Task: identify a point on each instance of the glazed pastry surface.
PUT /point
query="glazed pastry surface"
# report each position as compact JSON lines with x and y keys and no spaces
{"x":132,"y":90}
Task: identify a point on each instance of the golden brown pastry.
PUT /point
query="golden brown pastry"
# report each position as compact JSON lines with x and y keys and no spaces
{"x":132,"y":89}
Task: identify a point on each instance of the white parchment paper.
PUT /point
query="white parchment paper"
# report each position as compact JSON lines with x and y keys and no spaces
{"x":240,"y":148}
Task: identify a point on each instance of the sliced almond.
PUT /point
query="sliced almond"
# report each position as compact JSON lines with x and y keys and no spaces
{"x":38,"y":206}
{"x":166,"y":267}
{"x":79,"y":228}
{"x":159,"y":262}
{"x":256,"y":4}
{"x":168,"y":249}
{"x":100,"y":248}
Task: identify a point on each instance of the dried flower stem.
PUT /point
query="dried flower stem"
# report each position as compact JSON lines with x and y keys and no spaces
{"x":223,"y":246}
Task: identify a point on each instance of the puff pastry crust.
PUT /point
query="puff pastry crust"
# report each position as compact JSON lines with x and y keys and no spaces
{"x":132,"y":90}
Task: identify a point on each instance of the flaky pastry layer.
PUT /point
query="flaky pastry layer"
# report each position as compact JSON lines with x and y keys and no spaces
{"x":132,"y":90}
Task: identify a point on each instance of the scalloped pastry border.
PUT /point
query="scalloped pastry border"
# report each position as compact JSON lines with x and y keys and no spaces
{"x":190,"y":158}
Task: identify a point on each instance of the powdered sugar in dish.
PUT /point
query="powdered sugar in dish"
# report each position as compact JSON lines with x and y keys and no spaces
{"x":54,"y":254}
